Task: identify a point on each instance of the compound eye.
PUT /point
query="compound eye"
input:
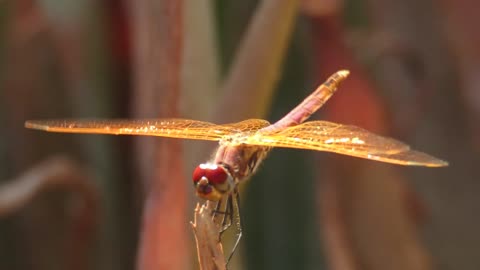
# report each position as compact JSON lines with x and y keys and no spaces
{"x":215,"y":174}
{"x":198,"y":173}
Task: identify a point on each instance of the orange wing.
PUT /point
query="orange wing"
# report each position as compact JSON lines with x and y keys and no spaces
{"x":173,"y":128}
{"x":346,"y":140}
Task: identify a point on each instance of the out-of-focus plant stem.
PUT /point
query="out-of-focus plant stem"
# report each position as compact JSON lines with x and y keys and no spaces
{"x":364,"y":207}
{"x":257,"y":66}
{"x":157,"y":28}
{"x":51,"y":174}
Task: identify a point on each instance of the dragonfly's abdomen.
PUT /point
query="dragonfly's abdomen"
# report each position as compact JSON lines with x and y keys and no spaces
{"x":311,"y":104}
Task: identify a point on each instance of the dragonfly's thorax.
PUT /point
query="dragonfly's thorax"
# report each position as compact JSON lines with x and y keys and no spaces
{"x":241,"y":160}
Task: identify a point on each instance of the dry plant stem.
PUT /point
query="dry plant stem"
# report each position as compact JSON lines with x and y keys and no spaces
{"x":257,"y":64}
{"x":200,"y":52}
{"x":447,"y":41}
{"x":28,"y":55}
{"x":209,"y":248}
{"x":57,"y":173}
{"x":51,"y":173}
{"x":367,"y":224}
{"x":464,"y":40}
{"x":339,"y":250}
{"x":157,"y":48}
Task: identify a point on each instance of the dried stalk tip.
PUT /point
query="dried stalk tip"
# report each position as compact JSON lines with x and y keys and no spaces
{"x":207,"y":236}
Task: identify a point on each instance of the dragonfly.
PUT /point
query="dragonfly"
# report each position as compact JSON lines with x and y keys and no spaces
{"x":243,"y":145}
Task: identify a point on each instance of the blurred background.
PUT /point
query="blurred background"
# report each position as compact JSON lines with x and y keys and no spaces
{"x":115,"y":202}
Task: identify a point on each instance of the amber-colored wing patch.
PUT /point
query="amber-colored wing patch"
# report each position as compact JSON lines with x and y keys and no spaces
{"x":173,"y":128}
{"x":346,"y":140}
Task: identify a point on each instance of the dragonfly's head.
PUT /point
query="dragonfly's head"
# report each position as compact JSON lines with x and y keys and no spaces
{"x":212,"y":181}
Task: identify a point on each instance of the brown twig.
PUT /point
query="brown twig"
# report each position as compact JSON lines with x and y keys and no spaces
{"x":57,"y":173}
{"x":209,"y":248}
{"x":257,"y":65}
{"x":51,"y":173}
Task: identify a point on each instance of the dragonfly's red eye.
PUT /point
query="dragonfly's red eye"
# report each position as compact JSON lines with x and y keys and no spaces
{"x":214,"y":173}
{"x":198,"y":173}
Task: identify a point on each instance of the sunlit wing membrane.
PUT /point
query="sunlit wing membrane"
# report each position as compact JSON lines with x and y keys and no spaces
{"x":173,"y":128}
{"x":344,"y":139}
{"x":409,"y":158}
{"x":328,"y":136}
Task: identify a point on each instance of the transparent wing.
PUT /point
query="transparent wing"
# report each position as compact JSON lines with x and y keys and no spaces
{"x":409,"y":158}
{"x":328,"y":136}
{"x":346,"y":140}
{"x":173,"y":128}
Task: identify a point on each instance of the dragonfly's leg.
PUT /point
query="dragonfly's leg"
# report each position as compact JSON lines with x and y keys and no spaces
{"x":238,"y":222}
{"x":228,"y":215}
{"x":223,"y":213}
{"x":218,"y":209}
